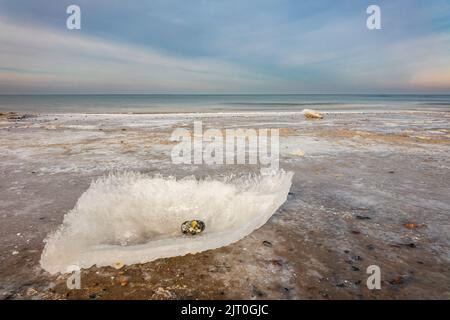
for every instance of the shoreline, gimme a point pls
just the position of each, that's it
(359, 180)
(224, 114)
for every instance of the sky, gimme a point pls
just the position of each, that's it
(224, 46)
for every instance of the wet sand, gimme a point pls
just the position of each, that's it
(359, 179)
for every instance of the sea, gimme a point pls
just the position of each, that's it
(181, 103)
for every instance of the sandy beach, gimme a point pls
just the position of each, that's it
(368, 188)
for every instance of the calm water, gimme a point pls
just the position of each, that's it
(125, 103)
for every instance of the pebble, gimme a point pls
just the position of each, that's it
(408, 245)
(192, 227)
(118, 265)
(411, 225)
(267, 243)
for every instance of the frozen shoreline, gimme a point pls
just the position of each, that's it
(390, 167)
(227, 114)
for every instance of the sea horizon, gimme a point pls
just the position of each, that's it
(180, 102)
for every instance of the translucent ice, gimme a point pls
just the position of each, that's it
(133, 218)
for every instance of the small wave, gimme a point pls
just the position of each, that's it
(133, 218)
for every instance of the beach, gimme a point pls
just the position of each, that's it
(369, 188)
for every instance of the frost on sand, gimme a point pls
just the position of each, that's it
(134, 218)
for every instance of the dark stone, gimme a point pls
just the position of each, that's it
(192, 227)
(267, 243)
(407, 245)
(277, 262)
(357, 258)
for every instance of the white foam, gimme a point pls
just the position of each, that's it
(133, 218)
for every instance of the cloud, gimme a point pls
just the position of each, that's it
(284, 46)
(37, 58)
(417, 64)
